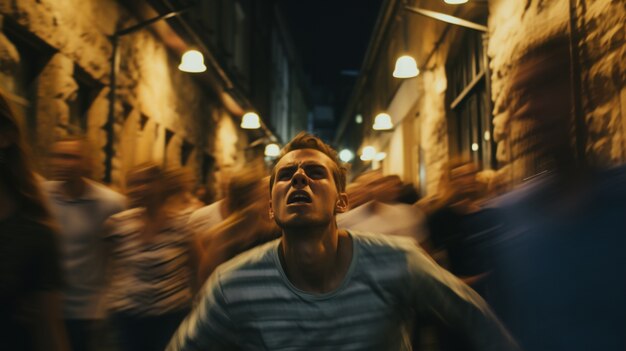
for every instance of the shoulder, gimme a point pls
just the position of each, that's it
(381, 248)
(107, 195)
(125, 216)
(250, 267)
(206, 216)
(377, 241)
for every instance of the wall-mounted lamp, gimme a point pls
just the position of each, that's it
(250, 120)
(358, 119)
(406, 67)
(346, 155)
(272, 150)
(368, 153)
(192, 62)
(382, 122)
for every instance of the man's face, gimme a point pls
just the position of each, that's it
(67, 160)
(304, 191)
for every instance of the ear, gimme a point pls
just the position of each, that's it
(342, 203)
(271, 211)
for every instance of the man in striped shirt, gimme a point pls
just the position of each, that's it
(321, 288)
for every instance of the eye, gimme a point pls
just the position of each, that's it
(316, 172)
(284, 174)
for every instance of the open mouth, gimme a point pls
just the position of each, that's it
(299, 197)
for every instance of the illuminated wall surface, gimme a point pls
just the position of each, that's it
(55, 64)
(424, 118)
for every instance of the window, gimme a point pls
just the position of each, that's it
(88, 90)
(469, 122)
(19, 79)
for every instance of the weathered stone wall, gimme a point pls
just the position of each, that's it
(603, 53)
(159, 109)
(516, 27)
(434, 129)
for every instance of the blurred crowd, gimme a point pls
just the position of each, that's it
(83, 267)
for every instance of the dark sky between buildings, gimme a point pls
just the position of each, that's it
(330, 35)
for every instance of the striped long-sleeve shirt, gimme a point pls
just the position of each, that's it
(249, 304)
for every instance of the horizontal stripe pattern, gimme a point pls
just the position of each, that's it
(249, 304)
(149, 278)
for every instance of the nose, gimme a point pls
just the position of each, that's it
(299, 179)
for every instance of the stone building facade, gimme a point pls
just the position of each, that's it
(55, 63)
(462, 104)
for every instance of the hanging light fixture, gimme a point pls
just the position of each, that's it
(406, 67)
(382, 122)
(455, 2)
(272, 150)
(192, 62)
(346, 155)
(250, 120)
(368, 153)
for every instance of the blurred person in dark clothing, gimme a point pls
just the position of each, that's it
(560, 263)
(461, 236)
(80, 206)
(319, 287)
(30, 277)
(463, 229)
(153, 261)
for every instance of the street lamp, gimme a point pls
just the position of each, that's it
(250, 120)
(192, 62)
(382, 122)
(406, 67)
(346, 155)
(272, 150)
(368, 153)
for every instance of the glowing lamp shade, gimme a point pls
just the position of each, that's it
(455, 2)
(346, 155)
(382, 122)
(192, 62)
(272, 150)
(368, 153)
(380, 156)
(406, 67)
(250, 121)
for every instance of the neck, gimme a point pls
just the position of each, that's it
(316, 259)
(155, 210)
(7, 203)
(74, 188)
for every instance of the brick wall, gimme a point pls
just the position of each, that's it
(159, 109)
(516, 27)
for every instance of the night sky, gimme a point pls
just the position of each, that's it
(330, 36)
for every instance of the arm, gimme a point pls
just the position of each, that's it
(209, 326)
(437, 291)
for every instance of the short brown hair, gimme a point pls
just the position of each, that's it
(305, 140)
